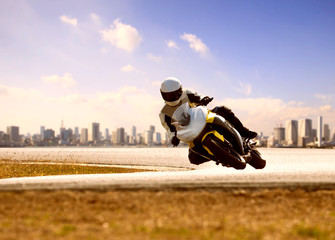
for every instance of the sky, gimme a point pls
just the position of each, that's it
(84, 61)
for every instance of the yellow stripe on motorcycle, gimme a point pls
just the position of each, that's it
(216, 134)
(210, 117)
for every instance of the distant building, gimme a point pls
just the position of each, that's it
(291, 132)
(49, 134)
(120, 136)
(76, 133)
(279, 135)
(157, 138)
(133, 139)
(107, 136)
(140, 139)
(320, 131)
(148, 137)
(133, 131)
(42, 129)
(13, 132)
(67, 135)
(326, 132)
(61, 130)
(304, 132)
(4, 138)
(84, 135)
(314, 134)
(152, 128)
(94, 132)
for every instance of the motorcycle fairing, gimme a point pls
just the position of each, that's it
(197, 121)
(216, 134)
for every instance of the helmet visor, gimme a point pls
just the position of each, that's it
(172, 96)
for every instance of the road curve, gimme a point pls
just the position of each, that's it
(310, 169)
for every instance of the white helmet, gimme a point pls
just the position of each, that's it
(171, 91)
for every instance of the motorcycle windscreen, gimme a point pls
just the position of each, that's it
(196, 123)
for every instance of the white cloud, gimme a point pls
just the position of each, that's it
(95, 18)
(69, 20)
(154, 58)
(65, 81)
(127, 68)
(156, 83)
(326, 108)
(323, 97)
(244, 88)
(142, 108)
(172, 44)
(73, 98)
(195, 43)
(122, 36)
(3, 91)
(18, 93)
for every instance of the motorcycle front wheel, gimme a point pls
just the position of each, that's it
(256, 160)
(227, 156)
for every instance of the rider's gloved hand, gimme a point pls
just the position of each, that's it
(205, 101)
(175, 141)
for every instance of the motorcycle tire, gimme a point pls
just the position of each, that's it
(256, 160)
(229, 157)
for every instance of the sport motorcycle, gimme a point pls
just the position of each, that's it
(211, 137)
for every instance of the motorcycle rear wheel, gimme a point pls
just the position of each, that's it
(228, 157)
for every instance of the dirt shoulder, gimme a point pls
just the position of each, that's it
(266, 214)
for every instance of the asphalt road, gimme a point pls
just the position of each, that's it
(308, 169)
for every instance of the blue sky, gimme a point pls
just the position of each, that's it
(103, 61)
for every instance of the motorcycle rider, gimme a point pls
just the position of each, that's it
(174, 96)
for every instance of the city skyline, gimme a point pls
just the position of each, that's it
(91, 135)
(301, 127)
(307, 121)
(103, 61)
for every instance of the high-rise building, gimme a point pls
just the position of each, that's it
(148, 137)
(279, 135)
(61, 130)
(13, 133)
(66, 135)
(291, 132)
(84, 135)
(120, 136)
(314, 134)
(304, 132)
(76, 133)
(320, 131)
(49, 134)
(133, 139)
(326, 132)
(114, 137)
(152, 128)
(107, 137)
(94, 132)
(157, 138)
(134, 131)
(42, 129)
(305, 128)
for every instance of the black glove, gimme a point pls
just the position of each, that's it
(175, 141)
(205, 101)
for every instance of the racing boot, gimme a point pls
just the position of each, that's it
(248, 133)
